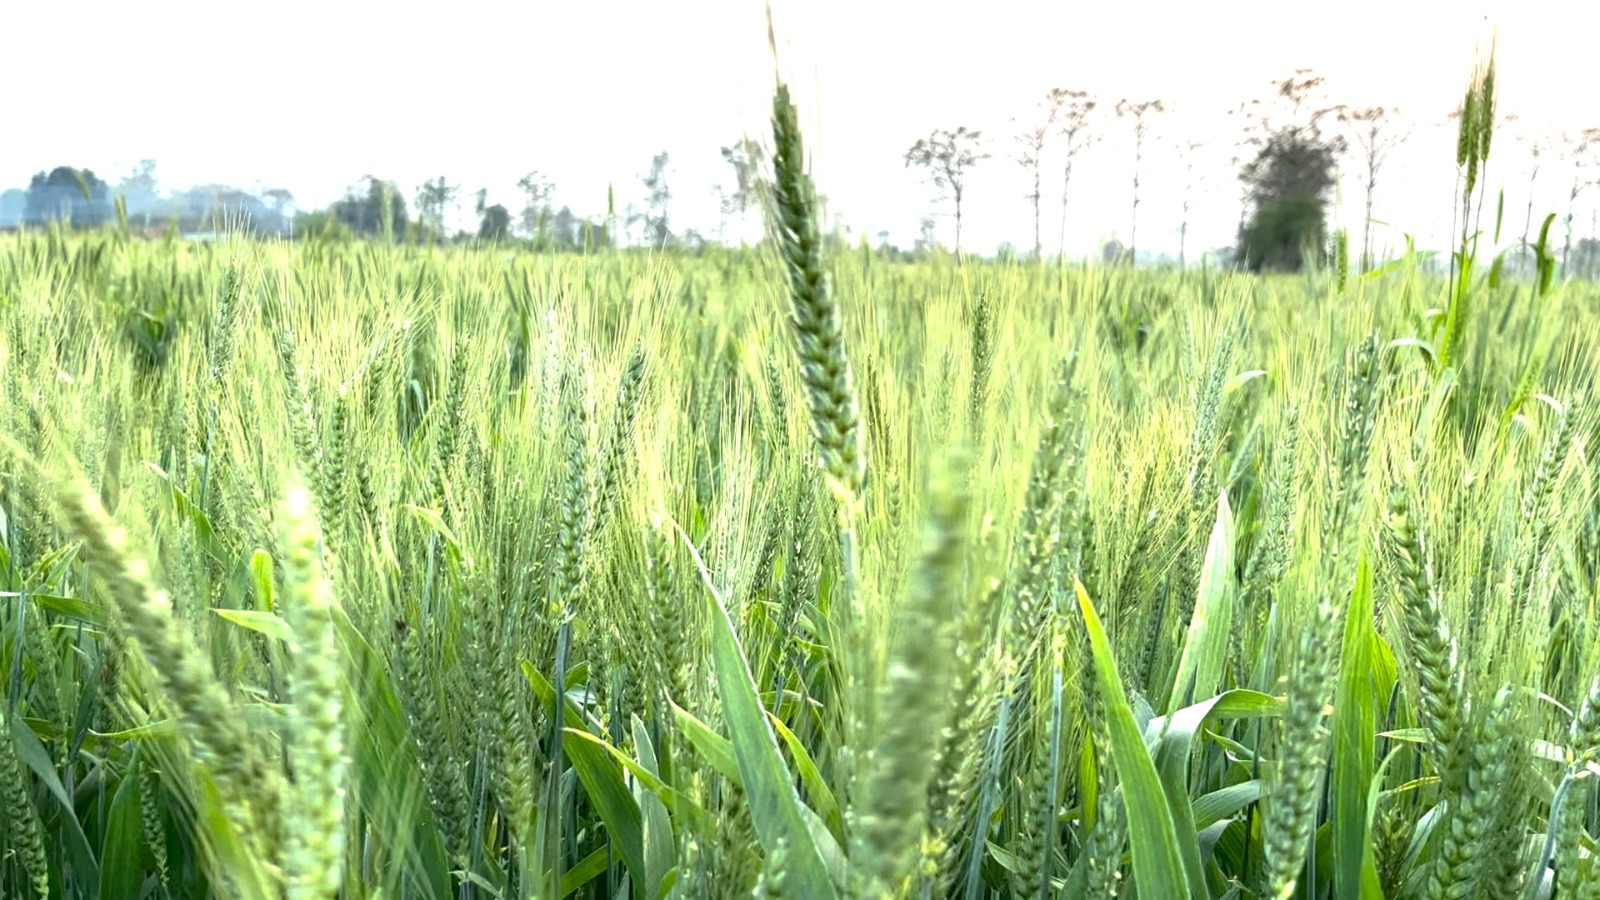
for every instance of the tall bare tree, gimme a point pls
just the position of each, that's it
(1141, 112)
(1030, 157)
(1582, 152)
(1375, 131)
(1189, 151)
(1539, 147)
(1073, 113)
(947, 155)
(1033, 139)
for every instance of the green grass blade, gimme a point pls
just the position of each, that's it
(1157, 865)
(816, 787)
(1224, 802)
(1354, 733)
(259, 621)
(35, 757)
(774, 804)
(680, 804)
(593, 866)
(1205, 651)
(602, 781)
(660, 851)
(717, 750)
(1174, 738)
(121, 854)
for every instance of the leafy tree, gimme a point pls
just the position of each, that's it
(1287, 181)
(947, 155)
(563, 229)
(13, 203)
(372, 208)
(1141, 112)
(495, 223)
(631, 217)
(280, 200)
(320, 225)
(139, 192)
(141, 182)
(747, 158)
(433, 198)
(658, 195)
(536, 209)
(1376, 131)
(927, 241)
(1073, 112)
(67, 193)
(221, 207)
(1586, 258)
(1251, 137)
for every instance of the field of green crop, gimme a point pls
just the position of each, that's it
(369, 571)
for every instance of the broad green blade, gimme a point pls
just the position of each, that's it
(660, 851)
(774, 803)
(571, 717)
(121, 856)
(35, 757)
(88, 612)
(717, 749)
(1224, 802)
(262, 581)
(701, 821)
(1354, 732)
(593, 866)
(1205, 650)
(1174, 739)
(602, 781)
(1157, 864)
(204, 536)
(816, 787)
(259, 621)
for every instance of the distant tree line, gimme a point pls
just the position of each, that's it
(1290, 149)
(81, 199)
(376, 208)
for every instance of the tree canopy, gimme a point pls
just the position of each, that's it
(362, 211)
(67, 193)
(1287, 181)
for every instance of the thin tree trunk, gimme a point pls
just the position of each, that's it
(1066, 181)
(958, 227)
(1527, 223)
(1038, 246)
(1566, 245)
(1366, 233)
(1133, 228)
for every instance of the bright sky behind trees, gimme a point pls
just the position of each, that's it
(313, 95)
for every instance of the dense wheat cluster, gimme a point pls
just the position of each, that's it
(370, 571)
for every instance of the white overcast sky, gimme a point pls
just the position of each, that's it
(313, 94)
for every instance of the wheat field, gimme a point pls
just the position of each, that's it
(363, 570)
